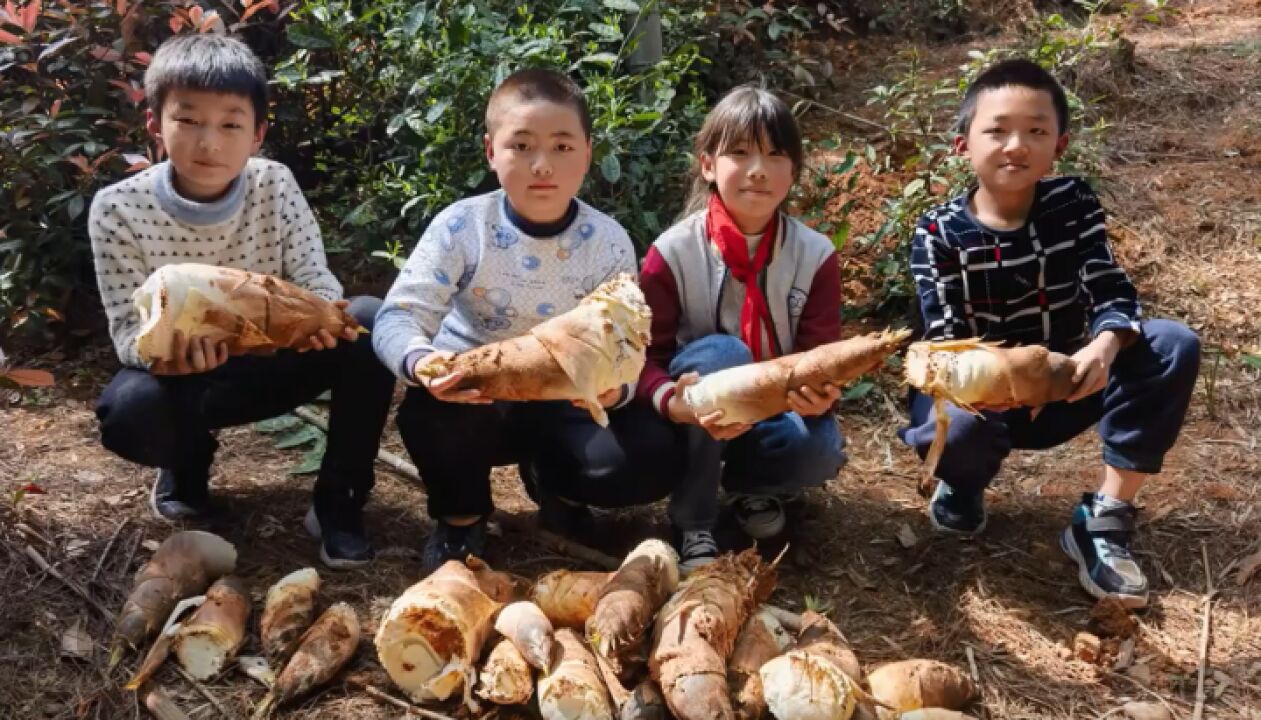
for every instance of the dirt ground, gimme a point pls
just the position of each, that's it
(1183, 192)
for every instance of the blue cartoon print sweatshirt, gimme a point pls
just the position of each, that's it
(481, 274)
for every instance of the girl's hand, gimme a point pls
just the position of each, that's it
(325, 340)
(1093, 364)
(444, 388)
(191, 355)
(808, 403)
(683, 414)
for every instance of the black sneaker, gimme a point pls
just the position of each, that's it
(1098, 540)
(452, 542)
(181, 496)
(951, 511)
(697, 548)
(759, 516)
(343, 544)
(565, 518)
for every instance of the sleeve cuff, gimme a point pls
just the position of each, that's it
(407, 373)
(1115, 321)
(661, 398)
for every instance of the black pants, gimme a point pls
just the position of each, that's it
(166, 421)
(455, 445)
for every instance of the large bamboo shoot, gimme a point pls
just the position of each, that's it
(631, 598)
(208, 640)
(696, 632)
(433, 634)
(596, 347)
(251, 313)
(751, 393)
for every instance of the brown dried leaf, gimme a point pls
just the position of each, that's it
(1248, 568)
(75, 642)
(906, 536)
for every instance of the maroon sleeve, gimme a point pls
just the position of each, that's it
(662, 294)
(820, 321)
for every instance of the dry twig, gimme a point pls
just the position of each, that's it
(1205, 633)
(378, 694)
(43, 564)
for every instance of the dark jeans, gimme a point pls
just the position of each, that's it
(166, 421)
(455, 445)
(779, 455)
(1139, 412)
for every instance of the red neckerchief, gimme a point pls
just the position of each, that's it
(734, 247)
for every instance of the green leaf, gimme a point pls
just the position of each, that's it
(307, 37)
(278, 423)
(913, 187)
(600, 58)
(841, 235)
(437, 110)
(607, 32)
(75, 207)
(311, 459)
(858, 390)
(1252, 360)
(301, 436)
(627, 6)
(611, 168)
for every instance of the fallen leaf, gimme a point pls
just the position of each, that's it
(76, 642)
(151, 545)
(859, 580)
(906, 536)
(1086, 647)
(1125, 655)
(33, 489)
(1146, 711)
(1248, 568)
(1109, 618)
(1140, 673)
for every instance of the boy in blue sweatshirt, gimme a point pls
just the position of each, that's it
(487, 269)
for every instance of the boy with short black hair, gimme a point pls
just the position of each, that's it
(489, 268)
(213, 203)
(1023, 258)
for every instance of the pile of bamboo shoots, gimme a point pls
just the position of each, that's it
(639, 643)
(306, 651)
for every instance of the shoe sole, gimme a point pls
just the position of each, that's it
(1133, 602)
(153, 507)
(947, 530)
(340, 563)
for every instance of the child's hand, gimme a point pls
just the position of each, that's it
(326, 340)
(443, 388)
(808, 403)
(607, 399)
(680, 412)
(1093, 364)
(191, 355)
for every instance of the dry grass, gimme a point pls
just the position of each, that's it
(1186, 213)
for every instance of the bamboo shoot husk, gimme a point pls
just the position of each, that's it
(209, 639)
(751, 393)
(596, 347)
(250, 313)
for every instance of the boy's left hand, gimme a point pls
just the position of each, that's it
(807, 402)
(1093, 364)
(326, 340)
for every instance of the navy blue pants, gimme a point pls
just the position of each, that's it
(1139, 412)
(166, 421)
(781, 454)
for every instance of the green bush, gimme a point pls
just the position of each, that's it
(398, 90)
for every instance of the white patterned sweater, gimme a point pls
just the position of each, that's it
(475, 277)
(263, 224)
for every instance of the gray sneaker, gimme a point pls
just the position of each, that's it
(697, 548)
(759, 516)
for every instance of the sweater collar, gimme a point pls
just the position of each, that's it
(540, 230)
(192, 212)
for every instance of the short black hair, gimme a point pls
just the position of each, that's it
(214, 63)
(1017, 72)
(534, 84)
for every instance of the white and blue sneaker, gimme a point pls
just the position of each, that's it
(1098, 540)
(955, 512)
(759, 516)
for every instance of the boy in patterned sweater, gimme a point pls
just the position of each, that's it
(489, 268)
(213, 203)
(1024, 259)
